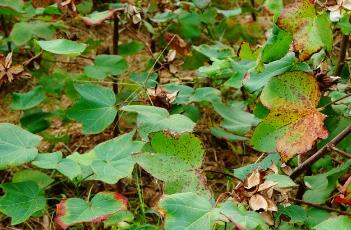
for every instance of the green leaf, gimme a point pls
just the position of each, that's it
(221, 133)
(118, 218)
(321, 186)
(230, 13)
(294, 212)
(310, 32)
(63, 46)
(201, 3)
(22, 32)
(54, 160)
(113, 159)
(239, 124)
(189, 25)
(28, 100)
(11, 7)
(97, 18)
(76, 210)
(276, 46)
(282, 180)
(40, 178)
(315, 216)
(153, 119)
(164, 17)
(106, 65)
(274, 6)
(216, 51)
(344, 24)
(174, 161)
(17, 146)
(244, 219)
(130, 48)
(340, 223)
(21, 200)
(95, 109)
(188, 211)
(264, 164)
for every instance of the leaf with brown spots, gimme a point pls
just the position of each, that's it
(311, 32)
(177, 43)
(294, 124)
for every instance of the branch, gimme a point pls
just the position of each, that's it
(341, 61)
(115, 40)
(320, 153)
(320, 206)
(346, 154)
(335, 101)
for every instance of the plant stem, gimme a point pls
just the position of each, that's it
(115, 40)
(342, 55)
(253, 14)
(335, 101)
(341, 152)
(140, 195)
(320, 153)
(320, 206)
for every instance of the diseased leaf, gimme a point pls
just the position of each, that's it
(293, 124)
(310, 32)
(100, 208)
(188, 211)
(17, 146)
(95, 109)
(175, 161)
(21, 200)
(63, 46)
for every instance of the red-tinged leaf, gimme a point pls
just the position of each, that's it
(177, 43)
(42, 3)
(96, 18)
(301, 136)
(100, 208)
(308, 30)
(341, 200)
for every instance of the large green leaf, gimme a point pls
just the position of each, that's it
(175, 161)
(113, 159)
(21, 200)
(188, 211)
(63, 46)
(322, 185)
(310, 31)
(77, 210)
(11, 7)
(95, 109)
(22, 32)
(66, 166)
(106, 65)
(339, 223)
(17, 146)
(242, 218)
(293, 124)
(153, 119)
(28, 100)
(216, 51)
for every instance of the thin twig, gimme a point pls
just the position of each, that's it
(335, 101)
(342, 55)
(220, 172)
(320, 153)
(320, 206)
(346, 154)
(115, 51)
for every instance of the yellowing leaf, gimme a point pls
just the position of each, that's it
(300, 136)
(293, 124)
(310, 32)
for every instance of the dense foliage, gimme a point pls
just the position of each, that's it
(176, 115)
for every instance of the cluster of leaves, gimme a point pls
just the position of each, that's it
(265, 97)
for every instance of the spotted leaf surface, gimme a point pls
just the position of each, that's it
(100, 208)
(175, 161)
(311, 32)
(293, 124)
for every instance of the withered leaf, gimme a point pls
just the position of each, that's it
(253, 179)
(177, 43)
(258, 202)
